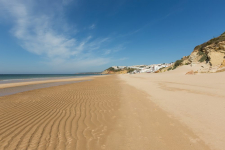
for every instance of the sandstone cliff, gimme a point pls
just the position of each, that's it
(209, 56)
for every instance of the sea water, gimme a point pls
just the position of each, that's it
(12, 78)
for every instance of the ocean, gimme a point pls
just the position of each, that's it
(9, 78)
(16, 78)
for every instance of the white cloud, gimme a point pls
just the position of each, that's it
(38, 34)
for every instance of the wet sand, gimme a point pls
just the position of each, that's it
(104, 113)
(43, 81)
(19, 89)
(40, 79)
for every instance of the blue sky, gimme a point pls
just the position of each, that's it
(69, 36)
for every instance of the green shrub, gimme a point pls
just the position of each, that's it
(200, 53)
(129, 70)
(161, 68)
(111, 69)
(203, 58)
(177, 63)
(197, 47)
(169, 69)
(114, 70)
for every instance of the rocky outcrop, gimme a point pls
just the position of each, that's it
(194, 58)
(216, 53)
(207, 57)
(211, 54)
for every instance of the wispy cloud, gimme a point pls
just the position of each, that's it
(124, 58)
(113, 50)
(92, 26)
(107, 52)
(130, 33)
(38, 32)
(153, 22)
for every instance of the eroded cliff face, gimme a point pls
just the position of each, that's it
(210, 54)
(207, 57)
(216, 53)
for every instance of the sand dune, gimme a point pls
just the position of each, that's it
(104, 113)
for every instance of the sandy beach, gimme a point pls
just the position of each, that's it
(168, 111)
(112, 75)
(197, 101)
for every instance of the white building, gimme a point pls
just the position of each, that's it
(121, 67)
(144, 68)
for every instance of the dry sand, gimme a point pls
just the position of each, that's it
(104, 113)
(197, 101)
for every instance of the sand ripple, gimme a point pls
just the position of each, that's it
(74, 116)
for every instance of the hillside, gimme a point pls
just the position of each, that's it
(111, 70)
(209, 56)
(211, 53)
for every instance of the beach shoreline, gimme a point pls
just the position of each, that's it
(32, 79)
(41, 81)
(30, 87)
